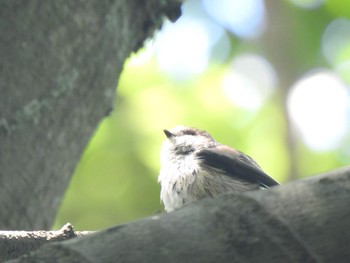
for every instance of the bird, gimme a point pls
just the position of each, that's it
(193, 166)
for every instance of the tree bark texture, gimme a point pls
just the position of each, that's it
(304, 221)
(60, 62)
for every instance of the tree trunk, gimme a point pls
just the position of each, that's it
(60, 62)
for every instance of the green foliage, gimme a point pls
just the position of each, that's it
(116, 179)
(338, 8)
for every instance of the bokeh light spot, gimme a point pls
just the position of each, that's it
(318, 105)
(183, 48)
(335, 40)
(250, 81)
(246, 18)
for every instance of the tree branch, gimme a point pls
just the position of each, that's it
(16, 243)
(302, 221)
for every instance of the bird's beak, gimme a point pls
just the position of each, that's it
(168, 134)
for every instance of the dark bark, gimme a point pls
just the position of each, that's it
(60, 62)
(303, 221)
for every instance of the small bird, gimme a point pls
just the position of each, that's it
(194, 166)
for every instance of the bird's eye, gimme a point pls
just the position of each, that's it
(184, 150)
(187, 151)
(190, 132)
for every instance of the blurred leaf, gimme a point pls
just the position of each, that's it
(338, 8)
(116, 179)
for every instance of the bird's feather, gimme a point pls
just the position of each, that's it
(235, 164)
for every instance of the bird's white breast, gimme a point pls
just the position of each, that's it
(177, 176)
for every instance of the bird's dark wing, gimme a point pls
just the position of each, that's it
(235, 164)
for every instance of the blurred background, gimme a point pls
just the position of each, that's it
(270, 78)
